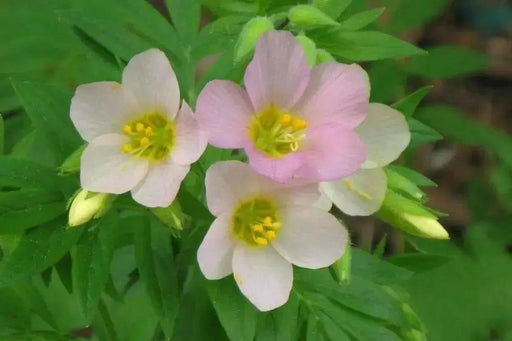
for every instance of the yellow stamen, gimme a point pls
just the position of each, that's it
(285, 120)
(298, 123)
(144, 141)
(127, 129)
(140, 127)
(257, 228)
(127, 148)
(267, 221)
(261, 241)
(149, 131)
(271, 235)
(348, 184)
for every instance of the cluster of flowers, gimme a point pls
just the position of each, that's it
(311, 137)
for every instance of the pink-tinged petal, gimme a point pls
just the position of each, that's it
(190, 140)
(279, 71)
(161, 184)
(385, 133)
(360, 194)
(263, 276)
(225, 111)
(331, 152)
(336, 93)
(229, 182)
(101, 108)
(294, 192)
(310, 237)
(215, 253)
(105, 168)
(323, 203)
(151, 79)
(279, 169)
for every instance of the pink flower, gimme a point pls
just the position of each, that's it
(263, 227)
(140, 140)
(291, 121)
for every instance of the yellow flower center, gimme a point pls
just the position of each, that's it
(255, 221)
(151, 137)
(276, 132)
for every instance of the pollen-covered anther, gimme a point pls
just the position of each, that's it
(299, 124)
(145, 141)
(127, 129)
(127, 148)
(285, 120)
(140, 127)
(261, 240)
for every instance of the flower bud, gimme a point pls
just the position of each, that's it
(411, 217)
(403, 185)
(306, 16)
(323, 56)
(309, 49)
(249, 35)
(86, 206)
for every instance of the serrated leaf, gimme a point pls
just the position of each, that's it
(236, 314)
(361, 20)
(408, 104)
(364, 45)
(154, 256)
(38, 249)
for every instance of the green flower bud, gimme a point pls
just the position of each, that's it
(306, 16)
(86, 206)
(171, 216)
(323, 56)
(72, 162)
(249, 35)
(309, 49)
(411, 217)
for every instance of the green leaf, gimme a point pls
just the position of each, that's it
(446, 62)
(364, 45)
(72, 163)
(371, 268)
(48, 109)
(185, 15)
(27, 208)
(280, 324)
(218, 36)
(333, 8)
(403, 185)
(332, 330)
(2, 135)
(421, 133)
(236, 314)
(91, 264)
(408, 105)
(38, 249)
(412, 175)
(419, 262)
(14, 311)
(154, 256)
(361, 20)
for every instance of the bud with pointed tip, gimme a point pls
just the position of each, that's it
(249, 35)
(308, 17)
(86, 206)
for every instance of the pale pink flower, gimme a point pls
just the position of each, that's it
(263, 227)
(139, 138)
(292, 121)
(386, 134)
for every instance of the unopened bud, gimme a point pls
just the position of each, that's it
(323, 56)
(86, 206)
(249, 35)
(306, 16)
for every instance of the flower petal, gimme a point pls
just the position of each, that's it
(323, 203)
(278, 73)
(101, 108)
(215, 254)
(105, 168)
(385, 133)
(151, 79)
(337, 93)
(263, 276)
(294, 192)
(279, 169)
(190, 141)
(161, 184)
(331, 152)
(224, 111)
(360, 194)
(229, 182)
(310, 237)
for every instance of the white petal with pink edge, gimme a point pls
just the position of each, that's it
(278, 73)
(150, 77)
(310, 237)
(225, 111)
(263, 276)
(215, 254)
(105, 168)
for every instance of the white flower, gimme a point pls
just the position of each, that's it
(263, 227)
(386, 134)
(139, 138)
